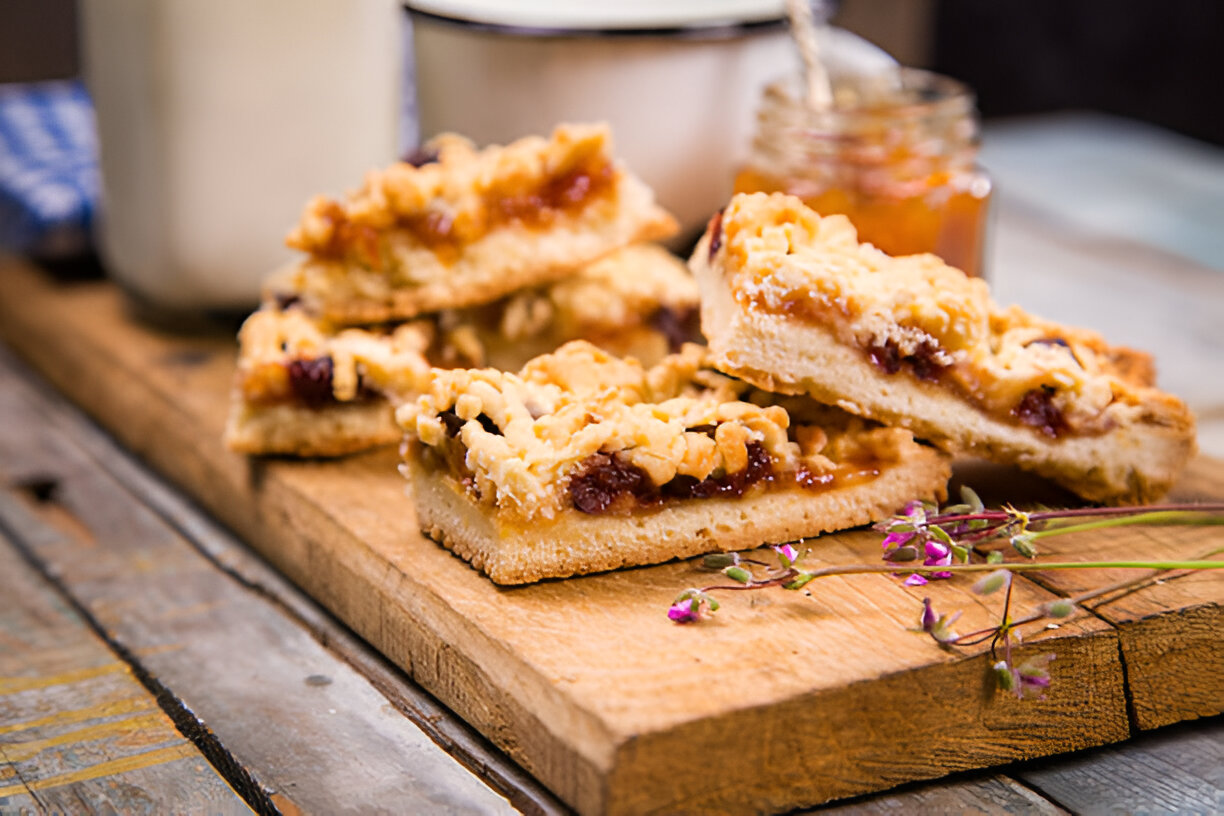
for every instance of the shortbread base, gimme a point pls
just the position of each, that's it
(1136, 461)
(576, 543)
(295, 430)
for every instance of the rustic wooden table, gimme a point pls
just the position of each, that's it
(174, 670)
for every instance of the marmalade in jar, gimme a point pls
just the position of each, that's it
(897, 154)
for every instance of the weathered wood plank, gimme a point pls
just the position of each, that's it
(1177, 770)
(79, 733)
(967, 797)
(311, 730)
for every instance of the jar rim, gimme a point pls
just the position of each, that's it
(905, 92)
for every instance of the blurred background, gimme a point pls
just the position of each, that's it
(1159, 62)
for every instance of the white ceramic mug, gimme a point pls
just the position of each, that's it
(218, 119)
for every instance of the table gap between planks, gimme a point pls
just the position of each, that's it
(789, 699)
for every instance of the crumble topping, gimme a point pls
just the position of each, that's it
(621, 289)
(918, 315)
(524, 438)
(288, 356)
(460, 195)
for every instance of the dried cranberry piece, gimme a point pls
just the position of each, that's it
(886, 357)
(1037, 409)
(452, 422)
(923, 361)
(760, 465)
(286, 299)
(604, 478)
(311, 381)
(679, 326)
(689, 488)
(421, 156)
(758, 469)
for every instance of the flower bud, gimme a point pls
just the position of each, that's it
(738, 574)
(1061, 608)
(936, 549)
(800, 582)
(1024, 545)
(928, 616)
(970, 497)
(786, 553)
(902, 554)
(992, 582)
(896, 539)
(717, 561)
(1004, 676)
(684, 611)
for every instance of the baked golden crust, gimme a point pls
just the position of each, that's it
(631, 301)
(791, 301)
(469, 227)
(576, 543)
(527, 443)
(295, 430)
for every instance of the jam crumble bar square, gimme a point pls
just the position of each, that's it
(584, 462)
(467, 226)
(793, 302)
(307, 388)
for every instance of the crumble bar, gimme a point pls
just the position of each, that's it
(463, 226)
(307, 388)
(584, 462)
(793, 302)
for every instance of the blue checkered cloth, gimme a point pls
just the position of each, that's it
(48, 169)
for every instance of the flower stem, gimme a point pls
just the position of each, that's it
(1050, 515)
(859, 569)
(1156, 517)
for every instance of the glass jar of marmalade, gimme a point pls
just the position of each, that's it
(896, 154)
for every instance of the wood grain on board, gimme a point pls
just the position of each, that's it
(782, 700)
(78, 732)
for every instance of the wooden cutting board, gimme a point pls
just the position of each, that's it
(783, 699)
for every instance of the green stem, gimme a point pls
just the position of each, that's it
(1050, 515)
(1024, 566)
(1159, 517)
